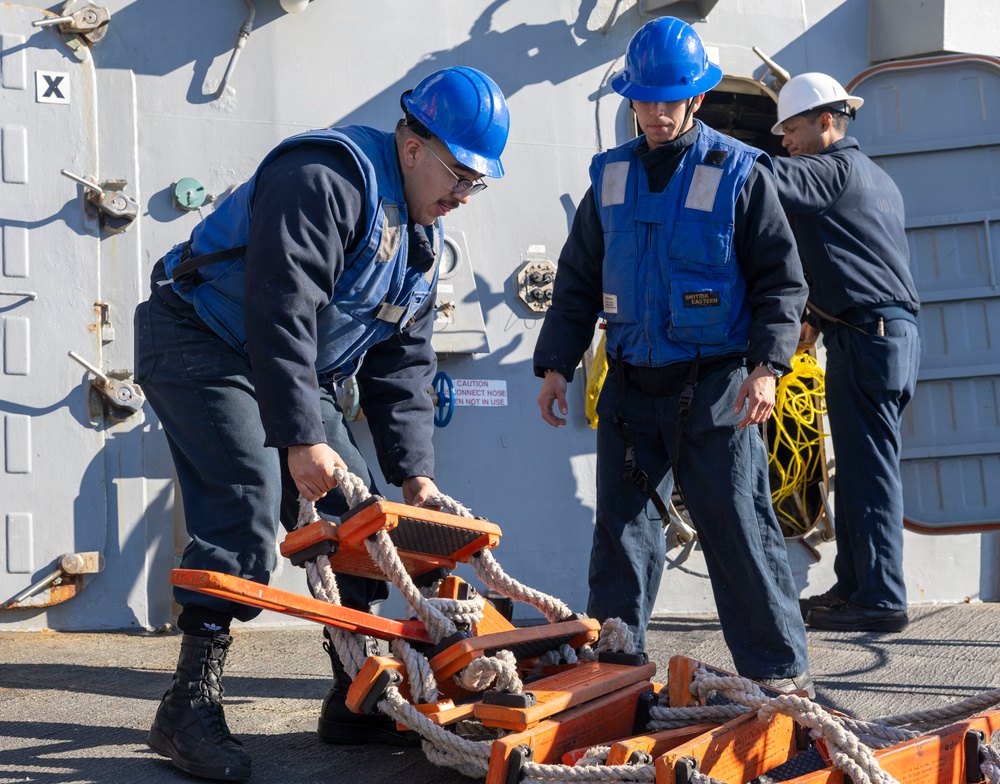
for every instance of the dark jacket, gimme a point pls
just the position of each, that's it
(307, 218)
(847, 216)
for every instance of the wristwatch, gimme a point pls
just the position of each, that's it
(776, 372)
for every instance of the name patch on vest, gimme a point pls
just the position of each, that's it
(704, 185)
(610, 303)
(613, 183)
(701, 299)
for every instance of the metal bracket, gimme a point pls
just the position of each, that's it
(87, 26)
(117, 210)
(515, 763)
(685, 770)
(125, 398)
(534, 284)
(974, 740)
(69, 565)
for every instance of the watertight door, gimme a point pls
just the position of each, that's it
(934, 125)
(52, 487)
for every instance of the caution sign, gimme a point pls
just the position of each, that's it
(480, 392)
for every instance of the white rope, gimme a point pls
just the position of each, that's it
(448, 504)
(697, 777)
(595, 755)
(419, 674)
(875, 734)
(484, 671)
(676, 718)
(846, 752)
(564, 654)
(472, 758)
(616, 636)
(533, 771)
(991, 764)
(493, 576)
(383, 553)
(938, 717)
(323, 583)
(463, 612)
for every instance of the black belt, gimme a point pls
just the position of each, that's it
(671, 379)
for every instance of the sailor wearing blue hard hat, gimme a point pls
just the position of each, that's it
(323, 265)
(681, 249)
(458, 116)
(666, 63)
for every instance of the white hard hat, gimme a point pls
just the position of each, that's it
(807, 91)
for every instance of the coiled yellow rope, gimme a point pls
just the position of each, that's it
(796, 450)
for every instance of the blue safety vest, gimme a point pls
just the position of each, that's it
(376, 294)
(672, 287)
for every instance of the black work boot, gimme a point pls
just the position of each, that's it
(339, 724)
(190, 727)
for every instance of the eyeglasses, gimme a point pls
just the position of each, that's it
(463, 185)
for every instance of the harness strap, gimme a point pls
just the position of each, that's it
(188, 263)
(634, 472)
(683, 412)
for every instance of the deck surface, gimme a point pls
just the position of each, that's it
(76, 708)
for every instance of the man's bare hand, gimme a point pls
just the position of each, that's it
(756, 395)
(553, 391)
(808, 335)
(417, 489)
(311, 466)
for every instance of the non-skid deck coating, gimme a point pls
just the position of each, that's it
(76, 707)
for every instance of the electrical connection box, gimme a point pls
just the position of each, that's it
(535, 281)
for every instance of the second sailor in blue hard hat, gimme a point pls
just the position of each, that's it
(321, 266)
(681, 248)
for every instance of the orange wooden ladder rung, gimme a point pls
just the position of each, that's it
(526, 643)
(615, 715)
(656, 744)
(380, 672)
(546, 697)
(949, 755)
(425, 540)
(735, 752)
(237, 589)
(420, 530)
(322, 538)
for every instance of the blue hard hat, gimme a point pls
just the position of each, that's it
(666, 61)
(465, 109)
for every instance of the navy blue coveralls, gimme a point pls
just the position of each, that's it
(847, 217)
(723, 468)
(230, 415)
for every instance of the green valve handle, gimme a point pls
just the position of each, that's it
(189, 193)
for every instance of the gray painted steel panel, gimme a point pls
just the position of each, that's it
(160, 120)
(53, 486)
(947, 164)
